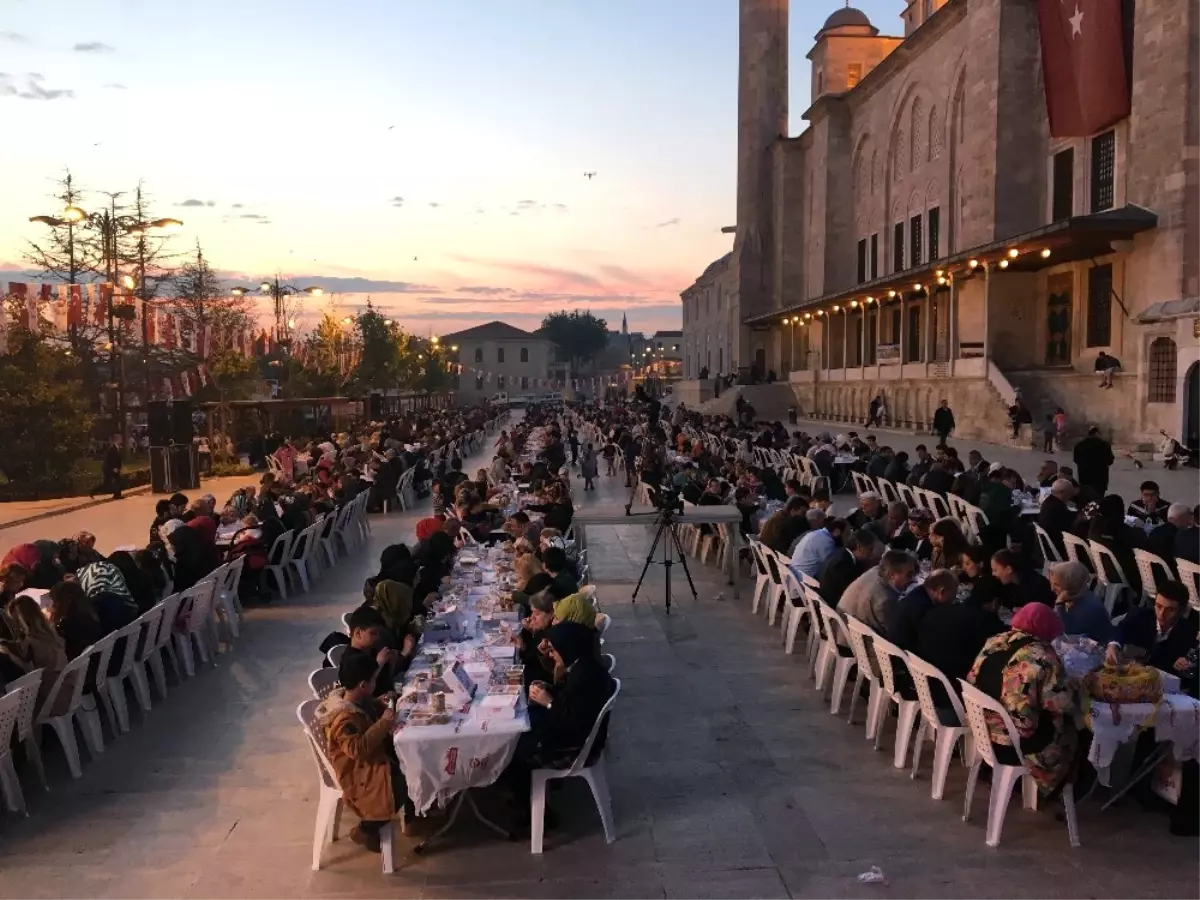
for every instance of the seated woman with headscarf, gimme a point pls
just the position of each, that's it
(394, 600)
(562, 715)
(393, 561)
(139, 583)
(1021, 669)
(39, 572)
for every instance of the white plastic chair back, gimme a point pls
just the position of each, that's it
(1189, 574)
(1077, 550)
(103, 649)
(581, 760)
(170, 611)
(306, 712)
(1108, 570)
(908, 495)
(322, 681)
(609, 661)
(922, 672)
(1049, 549)
(976, 704)
(861, 484)
(71, 679)
(857, 633)
(25, 719)
(888, 490)
(1153, 569)
(937, 503)
(346, 622)
(335, 654)
(603, 621)
(885, 653)
(976, 520)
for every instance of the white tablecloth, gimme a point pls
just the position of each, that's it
(1176, 718)
(440, 761)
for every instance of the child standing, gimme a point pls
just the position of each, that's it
(610, 457)
(589, 468)
(1060, 428)
(1048, 434)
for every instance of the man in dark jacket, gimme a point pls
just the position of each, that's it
(1159, 636)
(1055, 516)
(904, 620)
(110, 469)
(1093, 456)
(938, 479)
(950, 636)
(845, 565)
(943, 421)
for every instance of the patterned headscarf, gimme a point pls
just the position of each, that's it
(102, 578)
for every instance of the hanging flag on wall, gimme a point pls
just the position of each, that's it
(1083, 65)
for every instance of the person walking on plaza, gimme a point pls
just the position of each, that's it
(110, 470)
(590, 468)
(1093, 456)
(943, 421)
(1107, 365)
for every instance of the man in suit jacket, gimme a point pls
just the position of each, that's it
(1160, 636)
(845, 565)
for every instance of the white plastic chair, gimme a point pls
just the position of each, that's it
(1154, 571)
(113, 694)
(26, 733)
(1109, 574)
(335, 654)
(97, 687)
(603, 623)
(934, 723)
(937, 503)
(322, 681)
(71, 679)
(299, 555)
(196, 611)
(329, 805)
(798, 591)
(762, 575)
(10, 710)
(277, 564)
(831, 658)
(888, 490)
(1050, 552)
(164, 646)
(595, 774)
(227, 604)
(609, 661)
(1189, 574)
(907, 711)
(151, 622)
(858, 633)
(1004, 777)
(1077, 550)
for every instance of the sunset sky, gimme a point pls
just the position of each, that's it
(429, 154)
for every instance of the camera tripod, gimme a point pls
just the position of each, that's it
(668, 527)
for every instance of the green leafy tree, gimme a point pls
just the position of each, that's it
(45, 414)
(383, 344)
(579, 336)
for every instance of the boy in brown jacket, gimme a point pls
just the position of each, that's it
(358, 735)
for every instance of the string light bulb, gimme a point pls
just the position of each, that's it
(869, 300)
(1004, 263)
(854, 304)
(941, 279)
(918, 287)
(808, 315)
(892, 294)
(820, 312)
(972, 263)
(1014, 253)
(836, 308)
(940, 272)
(1046, 253)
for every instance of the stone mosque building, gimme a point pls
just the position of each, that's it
(926, 237)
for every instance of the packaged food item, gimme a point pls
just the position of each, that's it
(1130, 683)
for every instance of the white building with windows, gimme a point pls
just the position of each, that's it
(927, 237)
(500, 357)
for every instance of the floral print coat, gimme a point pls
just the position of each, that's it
(1034, 684)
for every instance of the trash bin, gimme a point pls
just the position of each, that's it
(792, 415)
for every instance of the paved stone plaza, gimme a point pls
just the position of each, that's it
(729, 779)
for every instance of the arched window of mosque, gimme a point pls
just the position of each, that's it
(478, 354)
(1163, 356)
(899, 166)
(874, 171)
(918, 131)
(935, 134)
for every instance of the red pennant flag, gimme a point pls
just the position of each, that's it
(18, 288)
(100, 310)
(75, 306)
(203, 340)
(1083, 65)
(168, 332)
(151, 317)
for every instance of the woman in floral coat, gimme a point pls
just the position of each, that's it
(1021, 669)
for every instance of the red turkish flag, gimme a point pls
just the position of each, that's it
(75, 306)
(1083, 65)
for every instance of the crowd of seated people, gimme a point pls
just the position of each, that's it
(558, 642)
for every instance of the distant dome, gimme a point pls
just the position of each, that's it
(847, 15)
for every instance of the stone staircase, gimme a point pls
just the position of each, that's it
(1085, 402)
(771, 402)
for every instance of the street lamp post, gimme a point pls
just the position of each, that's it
(278, 292)
(109, 224)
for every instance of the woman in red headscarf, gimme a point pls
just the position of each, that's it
(1022, 670)
(428, 527)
